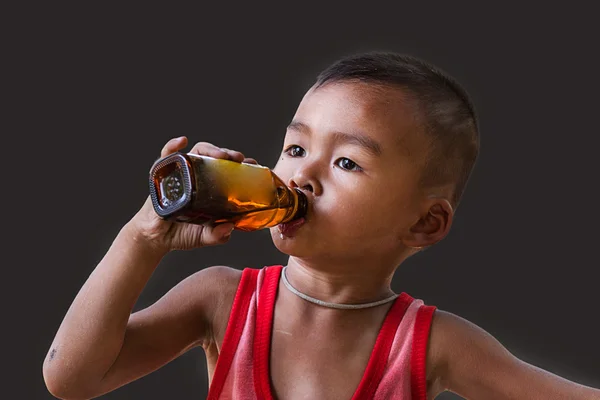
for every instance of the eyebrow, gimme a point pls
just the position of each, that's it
(357, 139)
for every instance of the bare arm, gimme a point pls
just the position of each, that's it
(472, 363)
(92, 332)
(99, 345)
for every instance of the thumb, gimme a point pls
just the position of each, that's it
(222, 232)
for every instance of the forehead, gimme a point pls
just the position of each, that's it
(384, 113)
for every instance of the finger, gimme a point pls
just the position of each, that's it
(174, 145)
(234, 155)
(209, 149)
(250, 161)
(217, 234)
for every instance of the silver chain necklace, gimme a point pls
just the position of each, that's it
(333, 305)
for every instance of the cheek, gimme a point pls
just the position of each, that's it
(282, 170)
(372, 211)
(355, 209)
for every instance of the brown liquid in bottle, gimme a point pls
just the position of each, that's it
(199, 189)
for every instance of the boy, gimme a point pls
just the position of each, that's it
(382, 145)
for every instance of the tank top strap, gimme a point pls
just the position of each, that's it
(233, 333)
(418, 358)
(379, 356)
(262, 334)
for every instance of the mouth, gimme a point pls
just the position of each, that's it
(289, 229)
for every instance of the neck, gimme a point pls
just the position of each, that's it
(342, 284)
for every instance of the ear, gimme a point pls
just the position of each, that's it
(433, 225)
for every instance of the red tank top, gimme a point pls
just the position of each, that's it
(396, 367)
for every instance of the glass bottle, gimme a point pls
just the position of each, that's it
(201, 189)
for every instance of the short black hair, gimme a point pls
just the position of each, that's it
(448, 114)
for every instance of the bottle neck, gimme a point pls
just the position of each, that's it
(301, 204)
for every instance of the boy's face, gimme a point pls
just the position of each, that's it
(353, 148)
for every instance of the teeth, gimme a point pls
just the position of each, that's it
(281, 236)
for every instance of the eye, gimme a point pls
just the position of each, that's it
(347, 164)
(295, 151)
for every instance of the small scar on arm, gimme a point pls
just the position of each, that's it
(52, 354)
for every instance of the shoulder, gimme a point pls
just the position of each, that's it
(450, 337)
(220, 284)
(224, 282)
(215, 285)
(221, 275)
(453, 337)
(463, 355)
(206, 297)
(212, 282)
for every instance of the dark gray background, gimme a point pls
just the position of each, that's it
(91, 95)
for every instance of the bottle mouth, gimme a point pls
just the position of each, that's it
(170, 184)
(302, 208)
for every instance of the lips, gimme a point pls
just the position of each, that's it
(290, 228)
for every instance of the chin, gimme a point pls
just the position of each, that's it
(296, 246)
(305, 246)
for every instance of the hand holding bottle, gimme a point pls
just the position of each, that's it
(170, 235)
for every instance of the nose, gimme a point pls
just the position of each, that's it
(305, 178)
